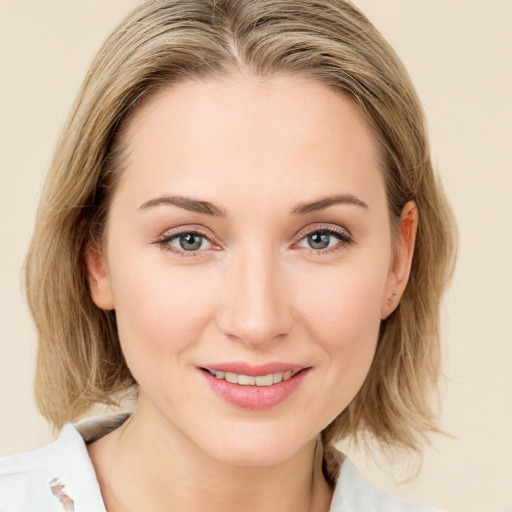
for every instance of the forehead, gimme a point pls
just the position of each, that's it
(252, 132)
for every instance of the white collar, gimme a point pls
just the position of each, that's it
(30, 480)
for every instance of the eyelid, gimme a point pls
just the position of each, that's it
(169, 234)
(342, 233)
(189, 228)
(335, 228)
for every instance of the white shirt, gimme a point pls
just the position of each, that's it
(60, 477)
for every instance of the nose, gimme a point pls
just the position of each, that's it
(256, 307)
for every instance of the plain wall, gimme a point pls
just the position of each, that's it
(459, 54)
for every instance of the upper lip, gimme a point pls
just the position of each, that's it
(243, 368)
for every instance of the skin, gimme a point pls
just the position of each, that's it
(258, 149)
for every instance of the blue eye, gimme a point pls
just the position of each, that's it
(322, 239)
(185, 242)
(189, 241)
(319, 240)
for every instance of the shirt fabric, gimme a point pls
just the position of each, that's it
(60, 477)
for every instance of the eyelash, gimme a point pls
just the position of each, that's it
(164, 241)
(343, 236)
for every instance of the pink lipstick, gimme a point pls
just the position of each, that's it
(254, 386)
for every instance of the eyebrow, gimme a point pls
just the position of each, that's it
(205, 207)
(325, 202)
(187, 203)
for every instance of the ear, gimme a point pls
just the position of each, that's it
(97, 275)
(402, 259)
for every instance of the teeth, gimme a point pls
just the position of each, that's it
(250, 380)
(231, 377)
(264, 380)
(247, 380)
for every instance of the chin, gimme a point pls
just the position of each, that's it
(253, 447)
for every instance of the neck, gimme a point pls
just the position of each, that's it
(157, 468)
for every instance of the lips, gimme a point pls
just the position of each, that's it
(252, 380)
(254, 387)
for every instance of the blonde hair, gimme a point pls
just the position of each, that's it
(162, 42)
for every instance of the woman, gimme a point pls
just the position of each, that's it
(241, 226)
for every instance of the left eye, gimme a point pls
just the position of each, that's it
(322, 239)
(191, 241)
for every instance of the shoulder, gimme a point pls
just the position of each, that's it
(50, 478)
(354, 494)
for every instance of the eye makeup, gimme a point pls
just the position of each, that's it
(193, 241)
(187, 241)
(318, 240)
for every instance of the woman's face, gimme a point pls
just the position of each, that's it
(249, 261)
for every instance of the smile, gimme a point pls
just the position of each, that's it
(252, 380)
(254, 387)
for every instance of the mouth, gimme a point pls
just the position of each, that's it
(254, 387)
(252, 380)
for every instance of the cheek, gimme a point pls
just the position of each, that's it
(344, 301)
(160, 312)
(343, 317)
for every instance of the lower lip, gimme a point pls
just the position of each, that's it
(255, 397)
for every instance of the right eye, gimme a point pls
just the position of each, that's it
(185, 242)
(192, 241)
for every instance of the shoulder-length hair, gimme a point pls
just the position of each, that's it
(163, 42)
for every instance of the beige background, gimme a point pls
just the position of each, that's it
(459, 53)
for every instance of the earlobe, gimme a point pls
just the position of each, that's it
(400, 269)
(97, 275)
